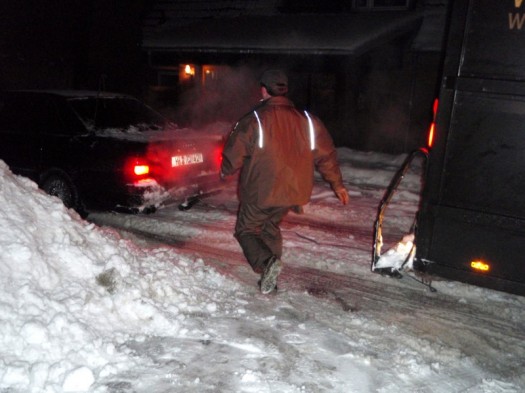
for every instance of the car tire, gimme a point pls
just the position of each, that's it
(57, 183)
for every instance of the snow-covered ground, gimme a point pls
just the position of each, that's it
(167, 303)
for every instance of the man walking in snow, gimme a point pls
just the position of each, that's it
(277, 148)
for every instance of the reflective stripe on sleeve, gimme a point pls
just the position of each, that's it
(311, 130)
(261, 132)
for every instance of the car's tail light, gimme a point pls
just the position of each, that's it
(432, 128)
(218, 156)
(141, 169)
(137, 169)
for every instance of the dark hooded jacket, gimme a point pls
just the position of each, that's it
(278, 148)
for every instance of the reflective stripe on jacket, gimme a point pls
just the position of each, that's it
(311, 130)
(277, 147)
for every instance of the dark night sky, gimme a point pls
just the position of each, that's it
(71, 43)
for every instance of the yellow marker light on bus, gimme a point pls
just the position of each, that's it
(480, 266)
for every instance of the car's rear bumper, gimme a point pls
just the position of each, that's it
(148, 195)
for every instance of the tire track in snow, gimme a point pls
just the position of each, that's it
(411, 301)
(434, 317)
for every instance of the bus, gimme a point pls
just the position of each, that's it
(470, 225)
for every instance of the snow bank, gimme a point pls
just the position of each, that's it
(71, 292)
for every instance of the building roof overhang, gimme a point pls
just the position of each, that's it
(343, 34)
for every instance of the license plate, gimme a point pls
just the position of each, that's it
(187, 159)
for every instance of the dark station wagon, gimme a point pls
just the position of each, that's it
(103, 151)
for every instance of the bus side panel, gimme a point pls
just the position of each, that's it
(477, 212)
(484, 168)
(473, 204)
(493, 45)
(461, 237)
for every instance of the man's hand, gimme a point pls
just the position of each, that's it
(342, 195)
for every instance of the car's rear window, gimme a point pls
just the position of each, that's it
(116, 113)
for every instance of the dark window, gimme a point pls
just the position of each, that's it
(45, 116)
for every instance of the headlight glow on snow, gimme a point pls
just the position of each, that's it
(480, 266)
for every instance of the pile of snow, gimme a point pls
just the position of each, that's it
(71, 293)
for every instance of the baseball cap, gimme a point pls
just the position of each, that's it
(275, 81)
